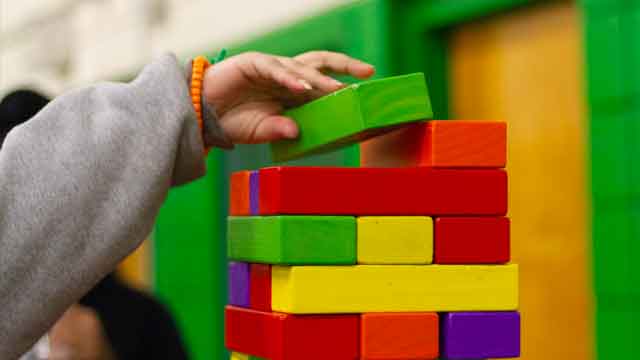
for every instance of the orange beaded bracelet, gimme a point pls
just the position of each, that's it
(199, 66)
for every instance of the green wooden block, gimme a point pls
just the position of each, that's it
(354, 114)
(292, 240)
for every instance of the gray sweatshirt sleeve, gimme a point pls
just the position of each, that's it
(80, 187)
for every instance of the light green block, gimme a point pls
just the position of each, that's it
(354, 114)
(292, 240)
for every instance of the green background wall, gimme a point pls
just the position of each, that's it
(612, 38)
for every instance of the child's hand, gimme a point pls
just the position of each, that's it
(250, 91)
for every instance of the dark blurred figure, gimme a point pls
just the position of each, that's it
(134, 325)
(18, 107)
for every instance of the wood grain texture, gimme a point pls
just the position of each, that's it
(459, 143)
(260, 287)
(277, 336)
(440, 143)
(535, 83)
(398, 288)
(395, 240)
(355, 113)
(292, 239)
(239, 193)
(472, 240)
(382, 191)
(399, 336)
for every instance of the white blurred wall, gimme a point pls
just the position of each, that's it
(53, 45)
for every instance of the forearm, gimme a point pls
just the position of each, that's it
(80, 187)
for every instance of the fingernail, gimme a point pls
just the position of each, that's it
(290, 132)
(305, 84)
(337, 83)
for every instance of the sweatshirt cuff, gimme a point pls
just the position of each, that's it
(212, 133)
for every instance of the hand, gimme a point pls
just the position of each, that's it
(251, 90)
(77, 335)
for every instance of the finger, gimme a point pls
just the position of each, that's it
(337, 62)
(313, 76)
(270, 69)
(274, 128)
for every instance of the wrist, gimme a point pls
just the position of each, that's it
(212, 94)
(207, 88)
(200, 83)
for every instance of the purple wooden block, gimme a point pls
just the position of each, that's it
(238, 284)
(254, 193)
(473, 335)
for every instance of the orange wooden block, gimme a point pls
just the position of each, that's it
(399, 148)
(440, 143)
(239, 193)
(465, 144)
(399, 336)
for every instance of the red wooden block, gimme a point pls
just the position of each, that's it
(440, 143)
(260, 287)
(399, 336)
(382, 191)
(278, 336)
(471, 240)
(239, 193)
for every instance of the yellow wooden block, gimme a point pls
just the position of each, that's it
(397, 288)
(238, 356)
(395, 240)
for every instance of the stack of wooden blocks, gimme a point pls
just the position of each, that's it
(404, 263)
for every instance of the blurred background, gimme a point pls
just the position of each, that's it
(564, 75)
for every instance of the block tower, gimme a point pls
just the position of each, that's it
(373, 263)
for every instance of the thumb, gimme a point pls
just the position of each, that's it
(274, 128)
